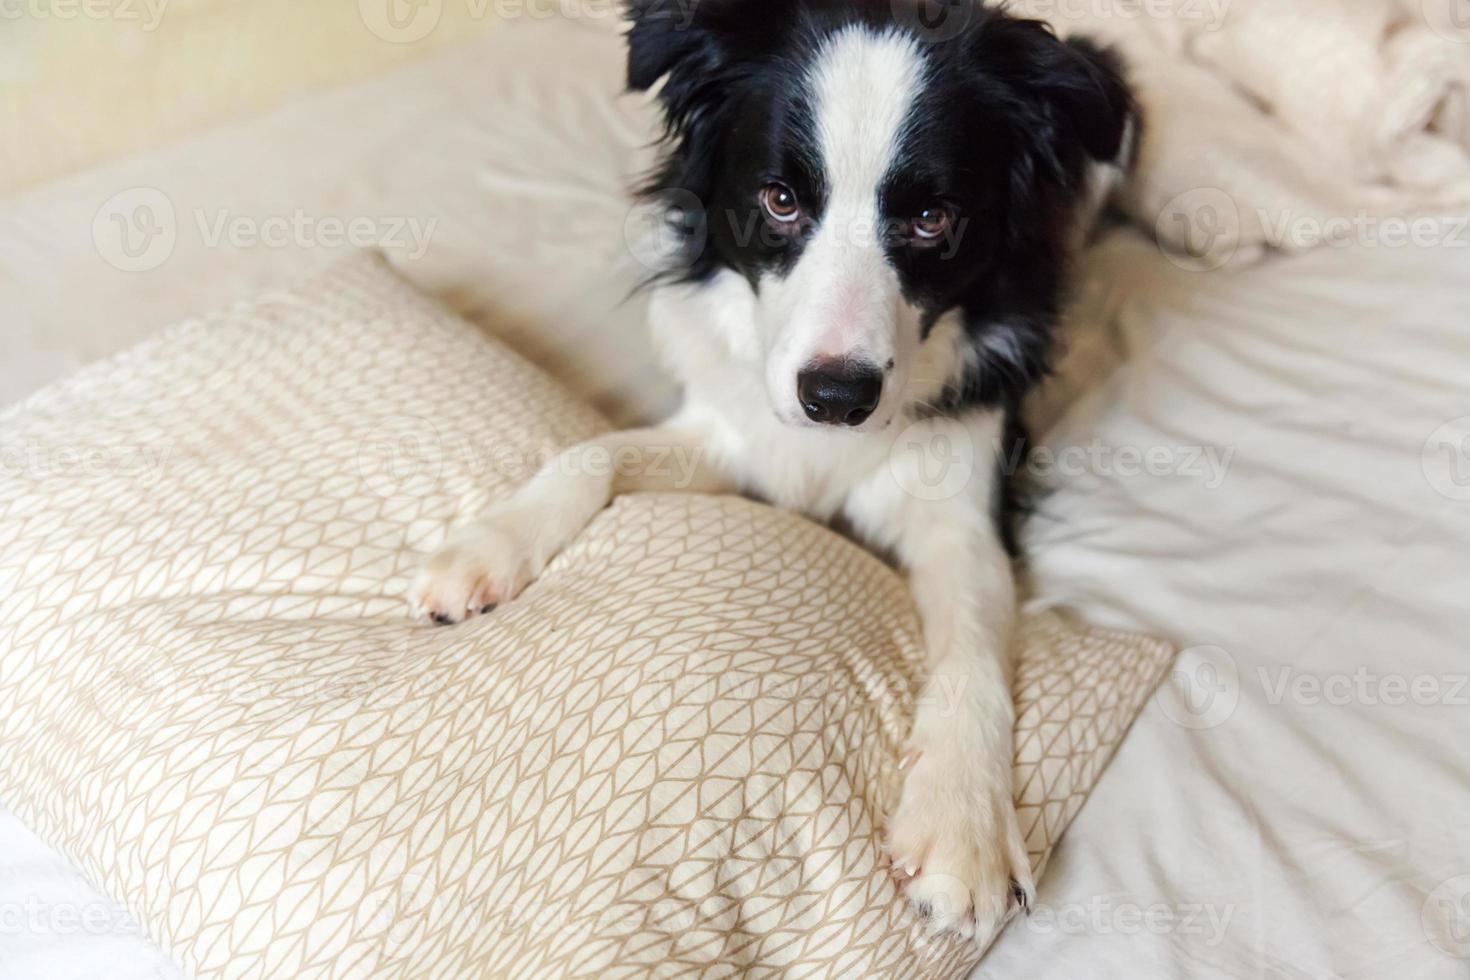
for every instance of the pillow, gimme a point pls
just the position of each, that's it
(674, 752)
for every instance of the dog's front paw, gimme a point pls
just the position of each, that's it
(955, 845)
(477, 569)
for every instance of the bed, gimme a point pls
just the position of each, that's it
(1269, 466)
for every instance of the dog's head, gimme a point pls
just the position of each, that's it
(897, 181)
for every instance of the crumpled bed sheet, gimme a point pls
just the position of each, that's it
(1283, 808)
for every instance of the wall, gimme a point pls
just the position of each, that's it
(82, 81)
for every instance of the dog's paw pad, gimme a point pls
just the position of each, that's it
(477, 571)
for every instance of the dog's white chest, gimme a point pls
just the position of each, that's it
(814, 472)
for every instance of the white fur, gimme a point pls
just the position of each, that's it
(954, 836)
(843, 299)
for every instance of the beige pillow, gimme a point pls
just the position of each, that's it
(673, 754)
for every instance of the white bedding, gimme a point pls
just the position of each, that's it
(54, 925)
(1266, 836)
(1316, 804)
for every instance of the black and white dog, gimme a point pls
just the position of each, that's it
(886, 195)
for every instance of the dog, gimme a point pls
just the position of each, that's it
(874, 205)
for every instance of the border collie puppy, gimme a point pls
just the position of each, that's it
(874, 203)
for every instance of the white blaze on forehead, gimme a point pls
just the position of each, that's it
(842, 298)
(864, 86)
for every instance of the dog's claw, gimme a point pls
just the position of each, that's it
(1021, 897)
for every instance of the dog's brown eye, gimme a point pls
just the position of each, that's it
(932, 223)
(780, 203)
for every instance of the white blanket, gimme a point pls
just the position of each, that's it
(1272, 125)
(1279, 478)
(55, 925)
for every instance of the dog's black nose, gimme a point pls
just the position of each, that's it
(840, 393)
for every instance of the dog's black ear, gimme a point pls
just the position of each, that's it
(663, 34)
(691, 44)
(1076, 88)
(1090, 89)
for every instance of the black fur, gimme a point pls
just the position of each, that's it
(1010, 120)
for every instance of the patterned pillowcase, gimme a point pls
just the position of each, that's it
(674, 751)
